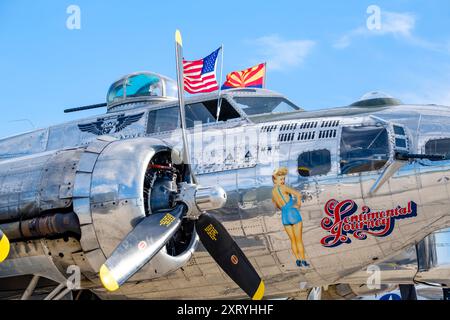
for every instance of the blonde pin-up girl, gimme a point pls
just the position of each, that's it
(283, 198)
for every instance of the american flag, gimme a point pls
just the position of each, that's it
(200, 75)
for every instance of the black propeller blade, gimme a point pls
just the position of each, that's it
(225, 251)
(140, 246)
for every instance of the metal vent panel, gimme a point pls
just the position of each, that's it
(327, 134)
(270, 128)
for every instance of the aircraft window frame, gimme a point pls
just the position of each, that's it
(191, 123)
(242, 109)
(399, 130)
(116, 93)
(401, 143)
(152, 131)
(364, 163)
(313, 171)
(400, 138)
(434, 152)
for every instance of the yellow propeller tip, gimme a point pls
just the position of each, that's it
(108, 280)
(4, 247)
(178, 37)
(260, 292)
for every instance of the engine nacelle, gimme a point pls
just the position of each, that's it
(109, 186)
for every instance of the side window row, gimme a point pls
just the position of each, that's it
(314, 163)
(362, 149)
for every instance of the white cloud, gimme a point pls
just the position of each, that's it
(439, 95)
(346, 40)
(282, 54)
(399, 25)
(426, 89)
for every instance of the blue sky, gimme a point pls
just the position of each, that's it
(319, 54)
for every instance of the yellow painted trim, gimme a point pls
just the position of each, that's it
(107, 279)
(260, 292)
(4, 247)
(178, 37)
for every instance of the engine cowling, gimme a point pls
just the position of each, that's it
(128, 176)
(110, 185)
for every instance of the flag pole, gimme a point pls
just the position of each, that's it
(219, 101)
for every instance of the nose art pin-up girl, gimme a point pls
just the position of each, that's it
(283, 197)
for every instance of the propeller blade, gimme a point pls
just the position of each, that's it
(140, 246)
(4, 246)
(180, 83)
(212, 233)
(225, 251)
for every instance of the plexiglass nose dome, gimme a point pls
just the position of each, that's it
(141, 86)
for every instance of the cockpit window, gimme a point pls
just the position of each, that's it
(163, 120)
(206, 112)
(363, 149)
(262, 105)
(202, 112)
(438, 147)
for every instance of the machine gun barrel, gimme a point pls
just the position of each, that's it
(402, 156)
(90, 107)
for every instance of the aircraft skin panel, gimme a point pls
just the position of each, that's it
(419, 190)
(403, 187)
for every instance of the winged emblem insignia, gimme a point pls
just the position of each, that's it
(110, 125)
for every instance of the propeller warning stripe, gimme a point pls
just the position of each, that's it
(4, 247)
(259, 295)
(107, 279)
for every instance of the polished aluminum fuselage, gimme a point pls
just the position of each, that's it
(241, 155)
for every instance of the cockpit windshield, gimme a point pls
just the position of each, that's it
(265, 105)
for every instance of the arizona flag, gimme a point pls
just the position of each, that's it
(250, 78)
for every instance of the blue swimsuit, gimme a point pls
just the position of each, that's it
(289, 214)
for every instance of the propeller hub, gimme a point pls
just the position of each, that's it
(201, 199)
(210, 198)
